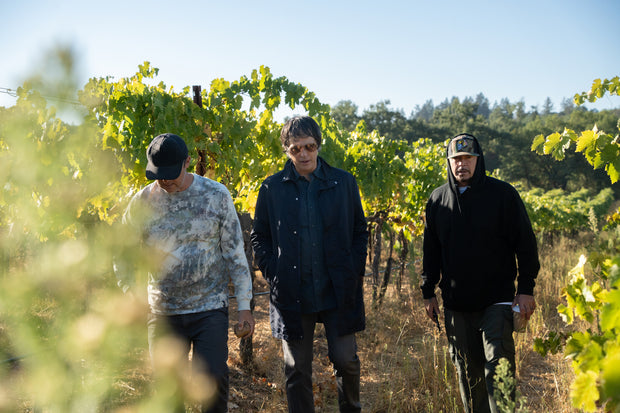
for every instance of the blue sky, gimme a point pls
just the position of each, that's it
(363, 51)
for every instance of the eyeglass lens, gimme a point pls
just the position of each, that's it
(310, 147)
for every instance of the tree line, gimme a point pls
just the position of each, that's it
(505, 130)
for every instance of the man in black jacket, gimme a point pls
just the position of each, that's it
(309, 240)
(477, 230)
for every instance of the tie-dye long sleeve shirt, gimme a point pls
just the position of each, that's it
(195, 238)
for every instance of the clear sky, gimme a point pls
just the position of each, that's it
(406, 51)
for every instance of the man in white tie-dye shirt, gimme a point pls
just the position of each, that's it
(192, 231)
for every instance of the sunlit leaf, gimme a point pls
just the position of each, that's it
(584, 391)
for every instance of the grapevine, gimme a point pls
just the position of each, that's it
(591, 296)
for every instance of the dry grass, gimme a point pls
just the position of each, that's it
(405, 361)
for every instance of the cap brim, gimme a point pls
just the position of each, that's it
(454, 155)
(163, 172)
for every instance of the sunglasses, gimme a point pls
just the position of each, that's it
(310, 147)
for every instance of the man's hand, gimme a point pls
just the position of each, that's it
(245, 326)
(432, 307)
(432, 310)
(526, 303)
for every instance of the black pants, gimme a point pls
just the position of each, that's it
(342, 352)
(478, 340)
(208, 333)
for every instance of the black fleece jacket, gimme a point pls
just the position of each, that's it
(473, 242)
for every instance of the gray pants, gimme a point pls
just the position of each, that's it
(342, 352)
(477, 341)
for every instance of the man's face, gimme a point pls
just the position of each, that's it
(172, 185)
(304, 153)
(463, 168)
(177, 184)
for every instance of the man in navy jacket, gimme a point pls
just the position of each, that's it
(309, 240)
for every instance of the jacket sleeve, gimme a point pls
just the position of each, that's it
(360, 229)
(261, 236)
(431, 248)
(526, 249)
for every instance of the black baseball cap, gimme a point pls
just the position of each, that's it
(166, 155)
(462, 144)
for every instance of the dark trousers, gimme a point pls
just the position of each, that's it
(342, 352)
(477, 341)
(207, 332)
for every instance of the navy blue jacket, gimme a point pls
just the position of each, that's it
(276, 245)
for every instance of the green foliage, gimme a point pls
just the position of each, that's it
(559, 211)
(227, 134)
(601, 150)
(65, 187)
(65, 191)
(345, 113)
(506, 395)
(389, 123)
(427, 166)
(612, 220)
(59, 308)
(594, 353)
(553, 344)
(61, 313)
(504, 130)
(598, 90)
(592, 299)
(246, 146)
(395, 178)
